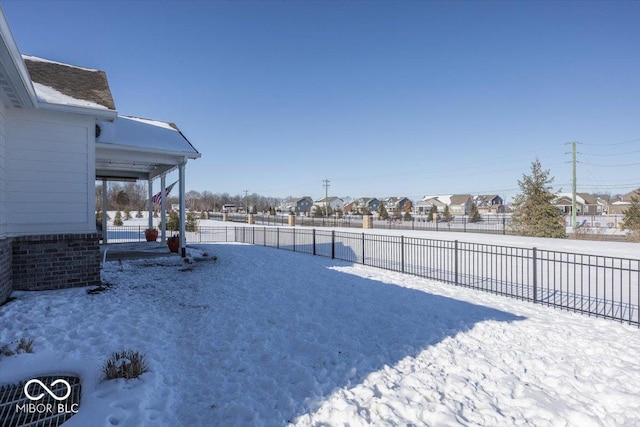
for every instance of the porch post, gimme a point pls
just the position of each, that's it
(163, 210)
(104, 210)
(183, 239)
(150, 204)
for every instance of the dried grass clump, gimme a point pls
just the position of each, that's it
(24, 345)
(125, 364)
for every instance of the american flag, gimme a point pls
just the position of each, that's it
(157, 198)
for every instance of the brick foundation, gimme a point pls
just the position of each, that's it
(5, 270)
(55, 261)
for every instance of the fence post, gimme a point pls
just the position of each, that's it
(265, 236)
(294, 240)
(226, 233)
(464, 220)
(362, 248)
(314, 240)
(277, 237)
(535, 275)
(402, 253)
(333, 244)
(253, 235)
(455, 262)
(504, 228)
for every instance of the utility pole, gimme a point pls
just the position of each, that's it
(573, 200)
(246, 202)
(326, 197)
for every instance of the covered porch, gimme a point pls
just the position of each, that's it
(133, 149)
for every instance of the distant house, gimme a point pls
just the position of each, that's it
(51, 121)
(621, 205)
(398, 205)
(297, 205)
(460, 204)
(350, 207)
(423, 207)
(335, 203)
(368, 204)
(489, 204)
(586, 204)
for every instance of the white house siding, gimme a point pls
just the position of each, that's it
(50, 160)
(3, 175)
(6, 282)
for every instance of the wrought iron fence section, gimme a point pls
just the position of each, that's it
(601, 286)
(596, 285)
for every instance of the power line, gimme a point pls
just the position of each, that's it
(608, 145)
(610, 166)
(612, 154)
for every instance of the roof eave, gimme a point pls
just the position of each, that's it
(99, 113)
(108, 145)
(17, 70)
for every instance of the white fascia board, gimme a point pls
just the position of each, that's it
(18, 70)
(131, 149)
(98, 113)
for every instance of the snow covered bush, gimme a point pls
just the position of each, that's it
(125, 364)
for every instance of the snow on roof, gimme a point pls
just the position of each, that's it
(444, 199)
(144, 133)
(36, 59)
(51, 96)
(165, 125)
(569, 196)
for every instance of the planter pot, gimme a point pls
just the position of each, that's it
(173, 243)
(151, 235)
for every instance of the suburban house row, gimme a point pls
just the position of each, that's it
(458, 204)
(59, 133)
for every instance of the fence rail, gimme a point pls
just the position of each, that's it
(595, 285)
(489, 224)
(595, 227)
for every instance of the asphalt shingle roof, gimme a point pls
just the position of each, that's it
(76, 82)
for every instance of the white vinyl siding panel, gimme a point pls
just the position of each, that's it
(50, 169)
(3, 175)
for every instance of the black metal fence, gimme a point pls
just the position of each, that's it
(498, 224)
(595, 285)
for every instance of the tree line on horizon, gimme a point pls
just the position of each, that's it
(534, 213)
(134, 197)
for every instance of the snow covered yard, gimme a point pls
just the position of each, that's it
(268, 337)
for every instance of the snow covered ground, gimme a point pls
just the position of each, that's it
(268, 337)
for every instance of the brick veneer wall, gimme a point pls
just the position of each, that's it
(5, 270)
(55, 261)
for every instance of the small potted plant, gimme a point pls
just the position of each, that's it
(151, 234)
(173, 242)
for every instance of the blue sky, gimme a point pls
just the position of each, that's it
(381, 98)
